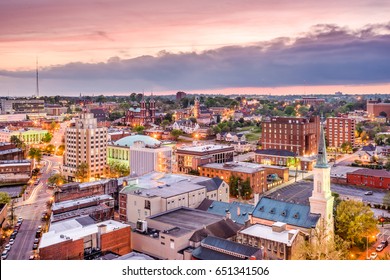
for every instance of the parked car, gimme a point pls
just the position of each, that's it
(35, 246)
(7, 247)
(4, 255)
(382, 245)
(373, 255)
(11, 241)
(368, 193)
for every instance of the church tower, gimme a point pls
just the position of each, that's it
(321, 200)
(152, 109)
(196, 112)
(143, 110)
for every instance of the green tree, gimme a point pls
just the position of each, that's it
(47, 137)
(346, 147)
(175, 133)
(117, 169)
(139, 129)
(289, 110)
(4, 198)
(56, 179)
(35, 154)
(354, 222)
(164, 124)
(16, 141)
(82, 171)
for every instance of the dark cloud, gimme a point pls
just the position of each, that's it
(327, 55)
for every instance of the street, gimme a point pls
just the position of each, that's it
(31, 210)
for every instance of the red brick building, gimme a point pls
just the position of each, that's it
(374, 108)
(339, 131)
(142, 115)
(298, 135)
(369, 178)
(78, 242)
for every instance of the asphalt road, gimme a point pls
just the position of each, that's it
(354, 192)
(31, 210)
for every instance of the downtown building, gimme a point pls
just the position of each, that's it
(85, 142)
(296, 134)
(339, 131)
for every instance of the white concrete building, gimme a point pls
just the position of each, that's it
(85, 142)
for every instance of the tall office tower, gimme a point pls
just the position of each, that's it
(85, 142)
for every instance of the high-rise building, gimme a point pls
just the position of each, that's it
(85, 142)
(339, 131)
(298, 135)
(19, 106)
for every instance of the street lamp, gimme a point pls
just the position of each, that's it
(367, 245)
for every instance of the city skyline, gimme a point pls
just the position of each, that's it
(253, 47)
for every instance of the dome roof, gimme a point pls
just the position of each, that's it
(130, 140)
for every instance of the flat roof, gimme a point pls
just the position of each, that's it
(340, 171)
(204, 148)
(183, 220)
(74, 202)
(74, 230)
(154, 180)
(266, 232)
(244, 167)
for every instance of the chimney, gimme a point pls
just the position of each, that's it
(102, 229)
(228, 215)
(257, 195)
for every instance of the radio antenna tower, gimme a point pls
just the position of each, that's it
(37, 81)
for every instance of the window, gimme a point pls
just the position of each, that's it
(147, 204)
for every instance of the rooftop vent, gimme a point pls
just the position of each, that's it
(296, 215)
(272, 211)
(284, 213)
(262, 209)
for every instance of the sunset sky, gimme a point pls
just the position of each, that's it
(221, 46)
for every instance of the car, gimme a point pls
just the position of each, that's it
(20, 219)
(4, 254)
(39, 227)
(35, 246)
(7, 247)
(373, 255)
(13, 235)
(382, 245)
(368, 193)
(11, 241)
(36, 240)
(32, 257)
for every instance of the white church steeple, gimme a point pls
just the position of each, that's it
(321, 201)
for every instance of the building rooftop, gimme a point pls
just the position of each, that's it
(239, 212)
(184, 220)
(244, 167)
(129, 141)
(158, 179)
(266, 232)
(81, 201)
(75, 229)
(286, 212)
(371, 172)
(213, 248)
(15, 162)
(204, 148)
(276, 152)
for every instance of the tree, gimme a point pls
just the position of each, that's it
(321, 246)
(16, 141)
(164, 124)
(139, 129)
(289, 110)
(35, 154)
(82, 171)
(47, 137)
(354, 222)
(117, 169)
(4, 198)
(56, 179)
(175, 133)
(346, 147)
